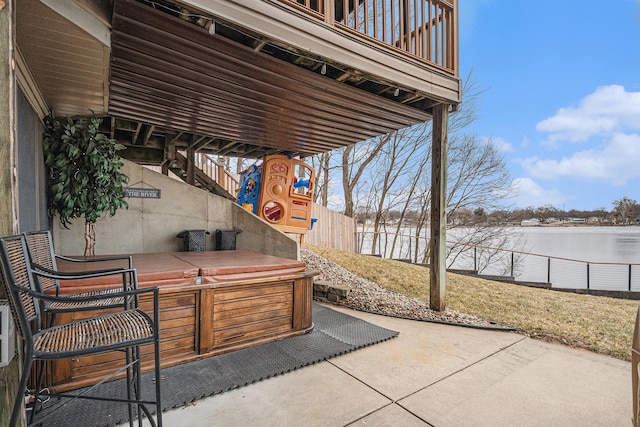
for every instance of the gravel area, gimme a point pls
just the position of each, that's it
(365, 295)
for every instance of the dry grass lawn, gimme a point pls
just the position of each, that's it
(603, 325)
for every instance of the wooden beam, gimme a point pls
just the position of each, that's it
(196, 143)
(438, 242)
(343, 77)
(635, 361)
(259, 45)
(10, 374)
(177, 136)
(144, 156)
(7, 121)
(134, 138)
(414, 97)
(226, 147)
(191, 163)
(112, 132)
(147, 134)
(258, 152)
(169, 154)
(200, 143)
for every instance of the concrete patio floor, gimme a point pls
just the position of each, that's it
(432, 375)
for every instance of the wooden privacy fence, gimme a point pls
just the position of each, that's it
(332, 230)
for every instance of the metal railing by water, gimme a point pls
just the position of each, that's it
(559, 272)
(424, 29)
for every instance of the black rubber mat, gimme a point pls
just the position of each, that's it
(334, 334)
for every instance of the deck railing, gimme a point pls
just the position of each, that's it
(423, 29)
(216, 171)
(213, 168)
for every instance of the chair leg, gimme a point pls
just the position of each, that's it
(36, 393)
(137, 384)
(51, 321)
(156, 362)
(158, 398)
(17, 405)
(129, 357)
(143, 408)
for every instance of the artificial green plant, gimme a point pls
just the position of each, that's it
(84, 178)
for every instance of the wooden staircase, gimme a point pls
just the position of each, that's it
(207, 174)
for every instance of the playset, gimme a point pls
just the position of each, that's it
(280, 191)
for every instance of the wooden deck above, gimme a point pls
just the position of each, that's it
(424, 29)
(241, 78)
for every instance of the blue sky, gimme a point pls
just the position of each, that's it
(562, 97)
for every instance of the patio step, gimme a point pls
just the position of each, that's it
(327, 291)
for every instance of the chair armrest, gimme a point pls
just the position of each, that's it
(44, 269)
(128, 258)
(56, 275)
(129, 295)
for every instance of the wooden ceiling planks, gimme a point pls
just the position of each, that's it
(170, 73)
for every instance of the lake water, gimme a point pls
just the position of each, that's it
(592, 248)
(569, 257)
(592, 244)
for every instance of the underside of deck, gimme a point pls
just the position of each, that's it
(239, 78)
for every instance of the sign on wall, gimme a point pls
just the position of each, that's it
(142, 193)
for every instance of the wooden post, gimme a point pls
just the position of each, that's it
(10, 374)
(169, 148)
(635, 361)
(329, 11)
(438, 242)
(222, 177)
(191, 163)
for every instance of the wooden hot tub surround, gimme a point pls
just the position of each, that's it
(210, 303)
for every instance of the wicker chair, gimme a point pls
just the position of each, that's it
(43, 258)
(124, 329)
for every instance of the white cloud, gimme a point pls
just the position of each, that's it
(609, 119)
(500, 143)
(530, 193)
(608, 110)
(616, 163)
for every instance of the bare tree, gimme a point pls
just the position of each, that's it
(235, 165)
(477, 175)
(410, 206)
(390, 175)
(482, 248)
(406, 168)
(393, 166)
(626, 210)
(363, 215)
(323, 167)
(355, 160)
(478, 181)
